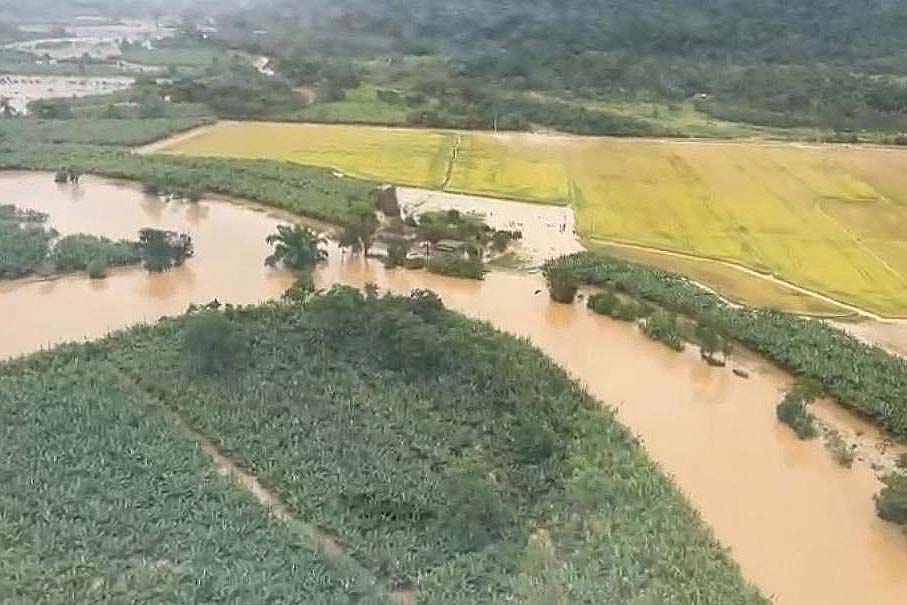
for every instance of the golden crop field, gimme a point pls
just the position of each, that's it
(828, 218)
(515, 166)
(408, 157)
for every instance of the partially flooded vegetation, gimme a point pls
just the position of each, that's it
(400, 465)
(345, 391)
(860, 376)
(28, 246)
(231, 269)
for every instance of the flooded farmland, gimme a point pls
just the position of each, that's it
(802, 528)
(96, 39)
(21, 90)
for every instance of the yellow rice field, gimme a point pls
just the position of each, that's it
(828, 218)
(407, 157)
(515, 166)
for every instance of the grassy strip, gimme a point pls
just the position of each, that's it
(94, 131)
(861, 377)
(312, 192)
(435, 449)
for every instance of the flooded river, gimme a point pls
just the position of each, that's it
(802, 528)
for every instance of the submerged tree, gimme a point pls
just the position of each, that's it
(710, 343)
(163, 250)
(296, 247)
(562, 283)
(891, 503)
(359, 232)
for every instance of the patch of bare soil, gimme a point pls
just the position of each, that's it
(890, 335)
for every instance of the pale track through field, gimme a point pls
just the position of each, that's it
(859, 243)
(311, 536)
(751, 272)
(452, 162)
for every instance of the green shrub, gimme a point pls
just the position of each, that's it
(663, 327)
(840, 450)
(902, 462)
(456, 266)
(212, 344)
(891, 503)
(414, 263)
(97, 268)
(75, 252)
(562, 284)
(301, 290)
(607, 303)
(163, 250)
(792, 412)
(603, 303)
(23, 248)
(500, 240)
(397, 252)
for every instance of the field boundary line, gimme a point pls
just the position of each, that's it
(860, 243)
(310, 535)
(761, 141)
(161, 145)
(452, 161)
(770, 277)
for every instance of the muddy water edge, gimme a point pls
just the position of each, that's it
(801, 527)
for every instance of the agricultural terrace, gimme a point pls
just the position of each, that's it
(409, 449)
(826, 218)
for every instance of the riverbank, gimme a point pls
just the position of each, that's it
(782, 506)
(784, 211)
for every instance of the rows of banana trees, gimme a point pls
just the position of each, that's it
(313, 192)
(864, 378)
(437, 452)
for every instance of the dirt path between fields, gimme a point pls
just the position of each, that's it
(753, 273)
(313, 537)
(452, 162)
(167, 142)
(318, 540)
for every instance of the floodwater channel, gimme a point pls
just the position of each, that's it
(802, 528)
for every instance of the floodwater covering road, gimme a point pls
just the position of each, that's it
(802, 528)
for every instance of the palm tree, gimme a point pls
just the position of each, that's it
(296, 247)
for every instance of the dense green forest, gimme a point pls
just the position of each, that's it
(825, 69)
(370, 417)
(576, 64)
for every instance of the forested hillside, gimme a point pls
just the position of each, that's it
(575, 64)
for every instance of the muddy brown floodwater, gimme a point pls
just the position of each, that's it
(802, 528)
